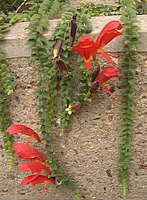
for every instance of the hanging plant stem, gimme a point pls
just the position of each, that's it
(129, 64)
(6, 88)
(62, 33)
(47, 83)
(4, 124)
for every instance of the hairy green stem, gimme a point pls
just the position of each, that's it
(129, 64)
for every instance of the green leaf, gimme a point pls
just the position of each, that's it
(77, 194)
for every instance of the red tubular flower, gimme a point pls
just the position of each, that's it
(95, 74)
(57, 48)
(25, 151)
(62, 67)
(39, 179)
(34, 167)
(110, 31)
(18, 128)
(107, 73)
(73, 29)
(86, 48)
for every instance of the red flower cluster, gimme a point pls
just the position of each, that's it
(25, 151)
(87, 47)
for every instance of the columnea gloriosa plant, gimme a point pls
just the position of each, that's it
(129, 64)
(87, 48)
(55, 71)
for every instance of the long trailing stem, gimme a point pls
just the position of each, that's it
(6, 88)
(47, 83)
(129, 64)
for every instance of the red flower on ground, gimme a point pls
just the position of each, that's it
(34, 167)
(39, 179)
(19, 128)
(110, 31)
(106, 74)
(86, 48)
(25, 151)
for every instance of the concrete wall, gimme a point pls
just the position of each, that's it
(88, 151)
(15, 44)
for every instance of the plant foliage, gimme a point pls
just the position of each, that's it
(9, 5)
(129, 63)
(48, 76)
(6, 88)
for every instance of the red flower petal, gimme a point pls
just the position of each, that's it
(39, 179)
(87, 64)
(107, 73)
(34, 167)
(106, 90)
(109, 32)
(19, 128)
(106, 56)
(25, 151)
(75, 106)
(26, 157)
(44, 188)
(86, 48)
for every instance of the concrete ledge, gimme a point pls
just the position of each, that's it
(15, 46)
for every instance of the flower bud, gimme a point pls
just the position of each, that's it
(93, 89)
(77, 105)
(74, 16)
(95, 74)
(107, 73)
(57, 48)
(73, 29)
(62, 67)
